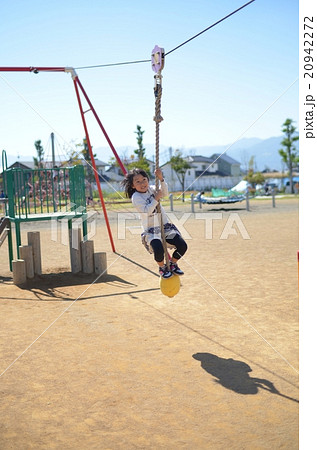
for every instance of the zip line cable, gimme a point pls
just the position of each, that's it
(149, 60)
(211, 26)
(171, 51)
(113, 64)
(143, 61)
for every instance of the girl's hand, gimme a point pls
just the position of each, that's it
(158, 195)
(159, 174)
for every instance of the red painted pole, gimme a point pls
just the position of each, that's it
(93, 164)
(124, 170)
(32, 69)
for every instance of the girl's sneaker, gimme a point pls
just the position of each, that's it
(164, 272)
(175, 269)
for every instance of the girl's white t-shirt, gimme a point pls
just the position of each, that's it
(146, 205)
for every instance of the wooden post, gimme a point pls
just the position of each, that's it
(100, 262)
(75, 252)
(26, 253)
(192, 202)
(87, 255)
(34, 241)
(273, 198)
(247, 200)
(171, 202)
(19, 271)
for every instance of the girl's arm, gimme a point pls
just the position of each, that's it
(164, 188)
(143, 206)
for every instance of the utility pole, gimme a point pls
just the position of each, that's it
(53, 150)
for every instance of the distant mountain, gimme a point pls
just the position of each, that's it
(242, 144)
(264, 151)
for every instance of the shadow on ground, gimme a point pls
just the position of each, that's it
(234, 375)
(215, 208)
(5, 280)
(53, 286)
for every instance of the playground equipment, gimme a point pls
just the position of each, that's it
(42, 194)
(4, 229)
(79, 89)
(169, 286)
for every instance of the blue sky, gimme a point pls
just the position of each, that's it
(214, 87)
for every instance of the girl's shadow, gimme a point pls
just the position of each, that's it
(234, 375)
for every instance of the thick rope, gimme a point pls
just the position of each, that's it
(158, 118)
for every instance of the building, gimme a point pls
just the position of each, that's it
(110, 181)
(100, 165)
(217, 171)
(102, 169)
(227, 165)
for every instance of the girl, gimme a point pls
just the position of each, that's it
(145, 199)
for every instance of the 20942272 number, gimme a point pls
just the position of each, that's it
(308, 47)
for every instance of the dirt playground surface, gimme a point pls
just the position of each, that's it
(113, 364)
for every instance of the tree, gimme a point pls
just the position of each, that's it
(289, 153)
(252, 176)
(90, 176)
(140, 151)
(38, 161)
(141, 162)
(180, 166)
(76, 157)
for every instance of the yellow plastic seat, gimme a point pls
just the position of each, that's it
(170, 286)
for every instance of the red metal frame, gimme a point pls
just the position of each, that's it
(93, 164)
(77, 84)
(124, 171)
(33, 69)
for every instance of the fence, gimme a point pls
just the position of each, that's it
(43, 194)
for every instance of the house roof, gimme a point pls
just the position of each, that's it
(111, 175)
(98, 162)
(210, 159)
(195, 159)
(22, 165)
(225, 158)
(200, 158)
(30, 164)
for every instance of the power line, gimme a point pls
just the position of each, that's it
(169, 52)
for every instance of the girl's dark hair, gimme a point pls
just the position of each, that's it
(128, 181)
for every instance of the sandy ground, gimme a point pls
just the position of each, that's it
(114, 364)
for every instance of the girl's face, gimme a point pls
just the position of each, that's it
(140, 183)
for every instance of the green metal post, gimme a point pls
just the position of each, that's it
(18, 236)
(10, 246)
